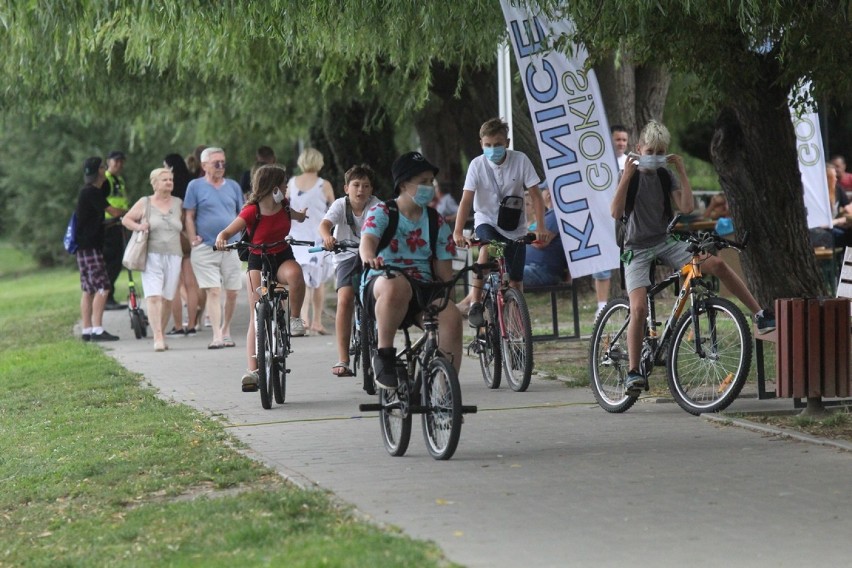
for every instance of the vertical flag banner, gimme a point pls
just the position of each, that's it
(812, 167)
(573, 138)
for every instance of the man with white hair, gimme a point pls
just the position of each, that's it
(211, 203)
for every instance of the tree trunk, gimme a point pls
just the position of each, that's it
(632, 95)
(764, 192)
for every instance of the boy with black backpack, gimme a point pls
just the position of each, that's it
(643, 200)
(342, 222)
(408, 234)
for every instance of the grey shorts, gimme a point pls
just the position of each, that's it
(346, 271)
(637, 273)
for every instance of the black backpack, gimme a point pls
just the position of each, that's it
(393, 223)
(666, 184)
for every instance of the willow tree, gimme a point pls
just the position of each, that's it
(748, 57)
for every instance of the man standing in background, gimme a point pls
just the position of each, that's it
(116, 193)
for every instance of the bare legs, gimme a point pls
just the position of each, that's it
(158, 308)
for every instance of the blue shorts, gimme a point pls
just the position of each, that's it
(515, 252)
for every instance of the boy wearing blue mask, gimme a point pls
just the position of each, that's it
(408, 234)
(494, 188)
(646, 240)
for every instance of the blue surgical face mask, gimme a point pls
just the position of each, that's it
(424, 195)
(652, 162)
(495, 153)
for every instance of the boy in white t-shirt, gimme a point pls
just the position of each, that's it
(342, 222)
(494, 187)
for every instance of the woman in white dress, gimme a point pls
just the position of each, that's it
(309, 191)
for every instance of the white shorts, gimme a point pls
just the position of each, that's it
(161, 275)
(217, 269)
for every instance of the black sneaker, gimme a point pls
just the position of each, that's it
(175, 332)
(634, 383)
(86, 337)
(765, 322)
(104, 336)
(384, 369)
(113, 305)
(475, 315)
(190, 332)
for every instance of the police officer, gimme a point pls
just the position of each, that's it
(116, 192)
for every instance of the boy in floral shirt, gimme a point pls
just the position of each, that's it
(392, 300)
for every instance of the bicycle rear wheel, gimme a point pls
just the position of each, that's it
(707, 375)
(608, 362)
(516, 345)
(355, 343)
(488, 346)
(265, 355)
(395, 421)
(442, 417)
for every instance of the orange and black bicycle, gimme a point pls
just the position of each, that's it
(705, 343)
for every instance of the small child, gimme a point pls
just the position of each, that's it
(267, 217)
(495, 186)
(646, 239)
(344, 218)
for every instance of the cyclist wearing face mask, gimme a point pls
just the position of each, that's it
(646, 240)
(412, 246)
(495, 185)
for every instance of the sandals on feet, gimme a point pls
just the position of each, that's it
(228, 342)
(341, 369)
(216, 345)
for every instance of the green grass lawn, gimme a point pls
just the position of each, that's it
(97, 470)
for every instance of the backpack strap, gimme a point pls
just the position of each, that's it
(393, 223)
(350, 218)
(250, 236)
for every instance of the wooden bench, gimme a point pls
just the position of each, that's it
(554, 291)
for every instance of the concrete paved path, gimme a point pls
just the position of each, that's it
(542, 478)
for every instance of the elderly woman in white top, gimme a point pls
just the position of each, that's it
(161, 215)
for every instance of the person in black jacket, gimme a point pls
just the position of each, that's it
(91, 205)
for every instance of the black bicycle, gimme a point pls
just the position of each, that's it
(272, 326)
(428, 382)
(359, 338)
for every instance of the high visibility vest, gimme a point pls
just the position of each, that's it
(117, 193)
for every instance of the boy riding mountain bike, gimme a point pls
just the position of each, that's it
(644, 195)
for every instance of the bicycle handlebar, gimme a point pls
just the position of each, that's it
(706, 241)
(263, 247)
(529, 238)
(339, 246)
(436, 290)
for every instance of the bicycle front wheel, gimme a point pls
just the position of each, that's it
(395, 423)
(608, 362)
(279, 367)
(516, 344)
(442, 417)
(355, 343)
(488, 345)
(708, 364)
(264, 353)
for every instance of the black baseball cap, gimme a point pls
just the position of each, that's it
(116, 155)
(91, 166)
(407, 166)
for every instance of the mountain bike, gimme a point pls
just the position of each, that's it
(272, 326)
(504, 342)
(359, 338)
(706, 347)
(428, 383)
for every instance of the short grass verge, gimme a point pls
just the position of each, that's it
(97, 470)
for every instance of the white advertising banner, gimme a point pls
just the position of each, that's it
(573, 138)
(812, 166)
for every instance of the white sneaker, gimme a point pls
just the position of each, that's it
(297, 327)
